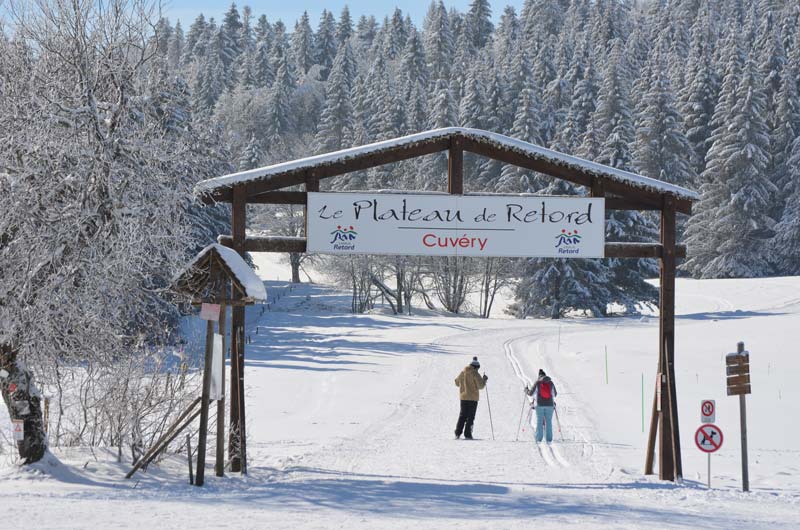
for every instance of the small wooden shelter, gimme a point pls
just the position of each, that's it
(622, 190)
(215, 278)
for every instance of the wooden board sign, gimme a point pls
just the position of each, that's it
(737, 359)
(737, 369)
(738, 390)
(739, 380)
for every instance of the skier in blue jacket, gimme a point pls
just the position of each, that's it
(544, 391)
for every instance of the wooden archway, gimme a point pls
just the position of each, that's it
(622, 191)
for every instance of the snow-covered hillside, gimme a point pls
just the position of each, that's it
(351, 417)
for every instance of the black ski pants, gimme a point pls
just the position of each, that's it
(466, 418)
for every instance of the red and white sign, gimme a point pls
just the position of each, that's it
(708, 411)
(209, 312)
(456, 225)
(708, 438)
(19, 430)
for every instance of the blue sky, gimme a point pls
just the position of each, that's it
(289, 11)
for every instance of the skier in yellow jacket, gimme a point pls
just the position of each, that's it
(469, 383)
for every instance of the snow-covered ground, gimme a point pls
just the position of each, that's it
(351, 417)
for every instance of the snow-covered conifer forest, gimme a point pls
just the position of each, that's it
(109, 114)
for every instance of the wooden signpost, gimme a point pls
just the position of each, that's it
(737, 369)
(216, 279)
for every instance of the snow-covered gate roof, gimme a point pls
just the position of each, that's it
(193, 277)
(486, 143)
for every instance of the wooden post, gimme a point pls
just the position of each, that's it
(670, 466)
(651, 437)
(664, 421)
(743, 430)
(203, 434)
(237, 436)
(189, 457)
(455, 168)
(312, 184)
(219, 466)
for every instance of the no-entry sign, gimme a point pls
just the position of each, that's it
(708, 411)
(708, 438)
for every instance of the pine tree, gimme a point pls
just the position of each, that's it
(506, 38)
(209, 83)
(344, 29)
(613, 117)
(252, 156)
(175, 47)
(413, 69)
(438, 41)
(728, 235)
(336, 123)
(514, 179)
(263, 72)
(227, 43)
(366, 30)
(263, 31)
(395, 37)
(471, 109)
(784, 247)
(195, 37)
(699, 97)
(662, 150)
(785, 121)
(325, 45)
(479, 18)
(303, 45)
(278, 119)
(584, 99)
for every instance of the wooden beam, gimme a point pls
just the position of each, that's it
(340, 167)
(455, 168)
(619, 203)
(512, 157)
(598, 188)
(279, 197)
(639, 250)
(269, 244)
(651, 198)
(298, 244)
(300, 198)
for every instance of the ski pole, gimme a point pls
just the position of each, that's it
(521, 412)
(488, 404)
(558, 422)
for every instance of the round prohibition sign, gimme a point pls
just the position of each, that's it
(708, 438)
(708, 408)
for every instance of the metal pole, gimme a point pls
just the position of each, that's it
(488, 404)
(521, 412)
(709, 470)
(558, 421)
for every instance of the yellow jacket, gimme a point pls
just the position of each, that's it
(469, 383)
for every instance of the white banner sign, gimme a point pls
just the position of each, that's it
(456, 225)
(216, 369)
